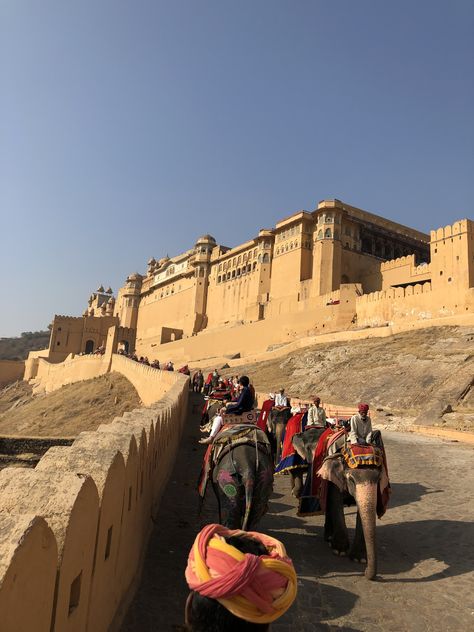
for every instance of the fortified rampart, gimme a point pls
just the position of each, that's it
(73, 531)
(10, 371)
(335, 269)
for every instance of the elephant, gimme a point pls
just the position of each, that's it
(347, 485)
(311, 437)
(242, 479)
(277, 420)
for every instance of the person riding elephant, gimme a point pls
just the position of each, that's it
(341, 474)
(245, 400)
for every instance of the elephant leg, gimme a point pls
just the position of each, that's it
(335, 530)
(296, 482)
(358, 551)
(279, 439)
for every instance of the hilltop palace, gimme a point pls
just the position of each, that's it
(336, 268)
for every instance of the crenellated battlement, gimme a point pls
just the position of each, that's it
(408, 260)
(394, 293)
(452, 230)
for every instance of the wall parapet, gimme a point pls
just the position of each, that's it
(74, 530)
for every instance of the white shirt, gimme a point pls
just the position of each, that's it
(316, 416)
(281, 400)
(360, 429)
(217, 424)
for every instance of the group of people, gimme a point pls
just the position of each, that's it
(245, 580)
(213, 382)
(359, 426)
(155, 364)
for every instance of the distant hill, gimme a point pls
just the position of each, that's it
(18, 348)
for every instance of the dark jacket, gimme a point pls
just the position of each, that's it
(243, 404)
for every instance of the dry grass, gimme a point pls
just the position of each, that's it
(66, 412)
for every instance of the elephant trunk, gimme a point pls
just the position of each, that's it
(366, 498)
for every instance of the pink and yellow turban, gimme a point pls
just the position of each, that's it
(256, 588)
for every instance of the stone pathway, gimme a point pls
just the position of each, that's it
(425, 545)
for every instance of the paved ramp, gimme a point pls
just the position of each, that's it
(425, 543)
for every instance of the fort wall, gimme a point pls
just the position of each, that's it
(73, 531)
(11, 371)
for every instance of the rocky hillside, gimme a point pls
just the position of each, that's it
(18, 348)
(426, 374)
(66, 412)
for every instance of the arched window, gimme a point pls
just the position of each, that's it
(219, 278)
(291, 245)
(239, 259)
(233, 274)
(249, 267)
(254, 265)
(228, 275)
(320, 234)
(266, 258)
(327, 233)
(238, 271)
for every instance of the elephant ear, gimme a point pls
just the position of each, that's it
(299, 444)
(332, 470)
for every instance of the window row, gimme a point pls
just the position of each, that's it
(252, 254)
(235, 274)
(294, 230)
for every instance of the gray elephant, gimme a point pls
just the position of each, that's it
(241, 471)
(366, 486)
(276, 424)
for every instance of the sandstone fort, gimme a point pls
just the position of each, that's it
(337, 268)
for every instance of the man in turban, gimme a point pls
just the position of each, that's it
(239, 580)
(361, 426)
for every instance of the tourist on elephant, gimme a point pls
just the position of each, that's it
(361, 426)
(281, 400)
(217, 424)
(316, 414)
(245, 401)
(239, 581)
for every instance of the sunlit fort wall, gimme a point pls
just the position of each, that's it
(337, 268)
(73, 531)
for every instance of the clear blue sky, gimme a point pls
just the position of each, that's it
(127, 129)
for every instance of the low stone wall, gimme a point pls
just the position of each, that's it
(49, 377)
(151, 384)
(74, 530)
(11, 371)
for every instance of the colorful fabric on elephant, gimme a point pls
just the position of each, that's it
(356, 455)
(255, 588)
(313, 498)
(290, 459)
(263, 416)
(205, 473)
